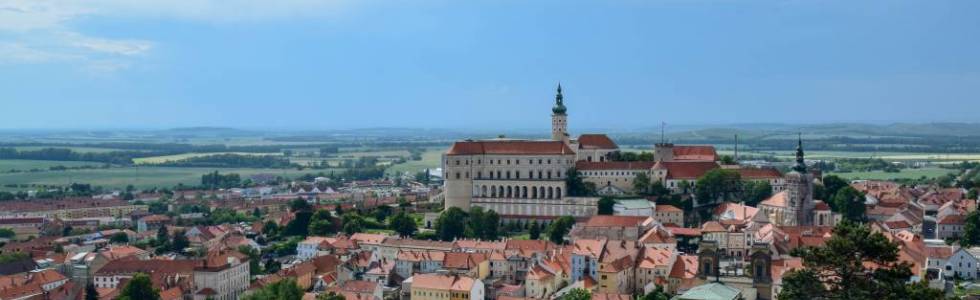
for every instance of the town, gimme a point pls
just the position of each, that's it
(503, 218)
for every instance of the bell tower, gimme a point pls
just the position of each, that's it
(559, 120)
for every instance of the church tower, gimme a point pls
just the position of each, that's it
(799, 186)
(559, 125)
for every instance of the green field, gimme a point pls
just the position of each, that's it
(26, 164)
(430, 160)
(75, 149)
(176, 157)
(904, 174)
(889, 156)
(140, 177)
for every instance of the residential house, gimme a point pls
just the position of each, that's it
(445, 287)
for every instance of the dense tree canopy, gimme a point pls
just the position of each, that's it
(286, 289)
(971, 230)
(718, 185)
(403, 224)
(849, 202)
(322, 223)
(841, 269)
(451, 224)
(577, 186)
(605, 206)
(558, 229)
(139, 288)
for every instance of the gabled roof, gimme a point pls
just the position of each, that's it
(777, 200)
(695, 153)
(443, 282)
(613, 165)
(689, 170)
(596, 141)
(758, 173)
(509, 147)
(685, 267)
(668, 208)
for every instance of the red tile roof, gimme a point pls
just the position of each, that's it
(596, 141)
(688, 169)
(758, 173)
(686, 266)
(668, 208)
(698, 153)
(615, 221)
(613, 165)
(509, 147)
(443, 282)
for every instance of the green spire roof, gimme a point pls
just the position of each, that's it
(559, 108)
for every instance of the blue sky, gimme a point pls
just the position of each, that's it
(478, 64)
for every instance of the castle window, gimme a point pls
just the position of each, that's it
(457, 175)
(508, 161)
(457, 162)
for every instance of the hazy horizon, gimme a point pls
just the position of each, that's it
(484, 65)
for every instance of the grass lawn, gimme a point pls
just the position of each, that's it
(431, 159)
(175, 157)
(26, 164)
(905, 173)
(140, 177)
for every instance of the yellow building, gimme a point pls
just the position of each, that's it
(445, 287)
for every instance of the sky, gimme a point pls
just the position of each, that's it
(295, 64)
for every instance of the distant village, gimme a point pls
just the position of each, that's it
(586, 221)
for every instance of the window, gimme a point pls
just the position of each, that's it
(457, 175)
(457, 162)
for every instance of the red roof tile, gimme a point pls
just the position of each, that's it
(698, 153)
(614, 165)
(596, 141)
(509, 147)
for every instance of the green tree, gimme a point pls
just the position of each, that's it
(641, 184)
(180, 241)
(330, 296)
(578, 294)
(576, 185)
(322, 223)
(451, 224)
(257, 213)
(754, 192)
(139, 288)
(535, 231)
(300, 225)
(559, 229)
(484, 224)
(849, 202)
(285, 289)
(832, 184)
(353, 223)
(727, 160)
(605, 206)
(840, 269)
(971, 230)
(299, 204)
(403, 224)
(90, 292)
(7, 233)
(718, 185)
(382, 212)
(119, 238)
(656, 294)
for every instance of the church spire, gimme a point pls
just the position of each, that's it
(559, 108)
(800, 162)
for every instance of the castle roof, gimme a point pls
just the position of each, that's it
(596, 141)
(695, 153)
(509, 147)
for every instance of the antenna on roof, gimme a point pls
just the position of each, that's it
(736, 148)
(662, 125)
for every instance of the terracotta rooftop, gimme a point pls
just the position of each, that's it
(443, 282)
(695, 153)
(596, 141)
(685, 266)
(758, 173)
(509, 147)
(690, 170)
(613, 165)
(668, 208)
(617, 221)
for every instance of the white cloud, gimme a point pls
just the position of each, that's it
(40, 31)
